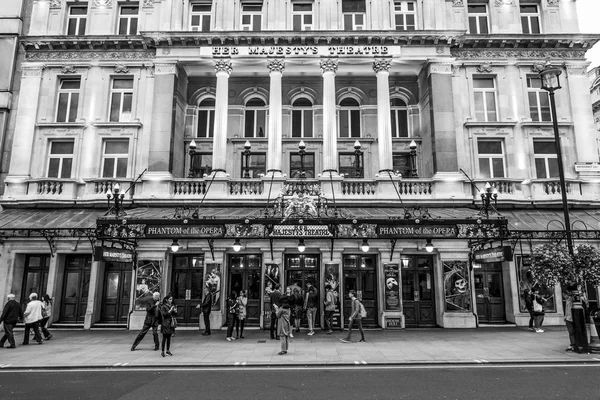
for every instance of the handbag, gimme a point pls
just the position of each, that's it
(537, 307)
(44, 313)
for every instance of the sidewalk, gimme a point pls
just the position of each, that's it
(70, 349)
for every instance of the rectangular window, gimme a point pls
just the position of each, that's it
(115, 156)
(302, 16)
(484, 92)
(296, 166)
(202, 164)
(257, 164)
(251, 16)
(206, 123)
(354, 14)
(349, 166)
(128, 19)
(60, 159)
(546, 162)
(478, 19)
(200, 17)
(350, 123)
(401, 164)
(399, 122)
(121, 100)
(302, 123)
(539, 101)
(405, 15)
(491, 158)
(254, 123)
(77, 20)
(530, 18)
(68, 99)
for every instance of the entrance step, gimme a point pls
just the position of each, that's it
(66, 326)
(108, 326)
(497, 325)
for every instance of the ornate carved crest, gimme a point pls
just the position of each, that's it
(68, 69)
(102, 3)
(55, 3)
(121, 69)
(484, 68)
(457, 3)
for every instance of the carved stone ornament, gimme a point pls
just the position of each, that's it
(89, 55)
(329, 65)
(148, 3)
(223, 66)
(102, 4)
(457, 3)
(499, 3)
(68, 69)
(32, 71)
(573, 70)
(382, 65)
(165, 69)
(440, 68)
(456, 70)
(121, 69)
(553, 2)
(503, 54)
(537, 68)
(484, 68)
(55, 3)
(276, 65)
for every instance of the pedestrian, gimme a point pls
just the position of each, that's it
(232, 314)
(528, 299)
(168, 311)
(283, 325)
(291, 301)
(11, 314)
(330, 302)
(571, 292)
(356, 315)
(275, 301)
(310, 305)
(151, 321)
(538, 308)
(33, 315)
(242, 302)
(206, 308)
(298, 307)
(46, 314)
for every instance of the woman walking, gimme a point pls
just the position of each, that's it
(46, 313)
(242, 301)
(168, 312)
(283, 325)
(538, 308)
(232, 316)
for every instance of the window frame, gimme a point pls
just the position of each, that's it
(528, 17)
(309, 167)
(78, 18)
(350, 171)
(253, 14)
(302, 14)
(201, 15)
(485, 92)
(395, 120)
(303, 110)
(490, 157)
(123, 93)
(73, 95)
(197, 168)
(130, 18)
(61, 157)
(404, 14)
(351, 110)
(354, 16)
(544, 113)
(116, 157)
(255, 169)
(476, 17)
(546, 157)
(407, 169)
(209, 130)
(256, 110)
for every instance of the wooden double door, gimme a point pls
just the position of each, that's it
(76, 285)
(489, 293)
(116, 296)
(360, 274)
(187, 287)
(35, 277)
(244, 274)
(301, 269)
(418, 291)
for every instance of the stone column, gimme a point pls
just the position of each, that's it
(384, 126)
(92, 87)
(27, 111)
(330, 131)
(223, 69)
(94, 304)
(274, 133)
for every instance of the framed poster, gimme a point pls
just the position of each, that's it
(391, 274)
(332, 278)
(213, 281)
(147, 281)
(457, 286)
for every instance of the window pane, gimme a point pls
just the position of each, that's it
(308, 123)
(73, 107)
(353, 6)
(498, 165)
(545, 106)
(66, 168)
(489, 147)
(256, 23)
(525, 25)
(296, 123)
(403, 123)
(533, 109)
(540, 168)
(553, 167)
(82, 23)
(535, 25)
(71, 84)
(477, 9)
(261, 117)
(544, 148)
(127, 100)
(483, 25)
(491, 106)
(344, 123)
(483, 83)
(62, 148)
(117, 147)
(249, 124)
(123, 26)
(347, 22)
(108, 168)
(53, 166)
(393, 122)
(72, 25)
(128, 10)
(63, 101)
(211, 123)
(479, 111)
(121, 168)
(206, 23)
(472, 25)
(115, 107)
(484, 168)
(355, 121)
(123, 84)
(297, 20)
(202, 121)
(133, 26)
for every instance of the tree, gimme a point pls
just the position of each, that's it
(552, 264)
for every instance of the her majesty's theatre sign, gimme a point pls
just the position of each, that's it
(281, 51)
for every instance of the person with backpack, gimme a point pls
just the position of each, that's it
(357, 313)
(330, 301)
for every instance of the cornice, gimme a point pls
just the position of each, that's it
(523, 42)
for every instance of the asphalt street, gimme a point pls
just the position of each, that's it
(489, 382)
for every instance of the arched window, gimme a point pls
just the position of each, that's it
(302, 118)
(349, 118)
(206, 118)
(256, 116)
(399, 113)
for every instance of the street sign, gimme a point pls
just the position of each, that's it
(113, 254)
(496, 254)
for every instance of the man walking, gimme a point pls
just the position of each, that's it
(206, 307)
(330, 301)
(11, 314)
(152, 320)
(275, 301)
(33, 314)
(355, 317)
(310, 304)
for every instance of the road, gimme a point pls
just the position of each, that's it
(489, 382)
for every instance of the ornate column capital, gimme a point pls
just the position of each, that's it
(329, 65)
(276, 65)
(440, 68)
(457, 3)
(223, 65)
(165, 69)
(148, 3)
(55, 3)
(553, 3)
(102, 4)
(32, 71)
(499, 3)
(382, 64)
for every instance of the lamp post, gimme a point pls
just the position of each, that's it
(413, 159)
(192, 153)
(302, 153)
(246, 153)
(357, 154)
(551, 83)
(117, 208)
(487, 196)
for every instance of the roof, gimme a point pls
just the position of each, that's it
(49, 218)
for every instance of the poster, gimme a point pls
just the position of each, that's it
(272, 276)
(457, 286)
(392, 288)
(213, 281)
(332, 278)
(148, 280)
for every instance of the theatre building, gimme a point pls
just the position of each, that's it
(403, 149)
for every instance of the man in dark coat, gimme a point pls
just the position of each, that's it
(11, 314)
(275, 301)
(152, 321)
(206, 307)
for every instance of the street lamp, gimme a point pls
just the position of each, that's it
(357, 154)
(365, 245)
(429, 246)
(413, 159)
(117, 198)
(192, 153)
(302, 153)
(487, 196)
(237, 246)
(175, 246)
(246, 153)
(551, 83)
(301, 246)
